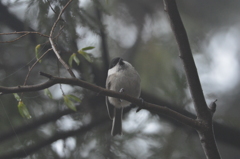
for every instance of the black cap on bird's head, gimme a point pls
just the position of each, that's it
(115, 61)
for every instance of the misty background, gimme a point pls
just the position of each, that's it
(140, 32)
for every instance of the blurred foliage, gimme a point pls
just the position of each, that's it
(137, 30)
(160, 73)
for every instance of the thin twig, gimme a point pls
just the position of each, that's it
(60, 85)
(14, 39)
(91, 21)
(30, 69)
(25, 32)
(60, 31)
(53, 45)
(51, 7)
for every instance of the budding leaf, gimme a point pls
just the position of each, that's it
(88, 48)
(70, 60)
(48, 93)
(85, 55)
(73, 97)
(23, 110)
(69, 103)
(16, 96)
(75, 58)
(37, 48)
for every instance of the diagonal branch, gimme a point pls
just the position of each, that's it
(187, 58)
(54, 46)
(30, 69)
(21, 32)
(223, 133)
(204, 114)
(34, 124)
(61, 135)
(18, 38)
(102, 91)
(25, 32)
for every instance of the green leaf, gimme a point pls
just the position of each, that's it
(69, 103)
(71, 59)
(48, 93)
(37, 48)
(73, 97)
(23, 110)
(16, 96)
(86, 55)
(75, 58)
(88, 48)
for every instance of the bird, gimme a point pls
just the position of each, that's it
(122, 77)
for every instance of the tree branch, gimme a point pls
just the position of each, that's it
(13, 22)
(104, 45)
(25, 32)
(223, 133)
(102, 91)
(18, 38)
(34, 124)
(204, 114)
(187, 58)
(54, 46)
(30, 69)
(61, 135)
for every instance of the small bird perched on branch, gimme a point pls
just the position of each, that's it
(122, 77)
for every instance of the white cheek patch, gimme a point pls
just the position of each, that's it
(112, 70)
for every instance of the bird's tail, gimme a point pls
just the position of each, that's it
(117, 122)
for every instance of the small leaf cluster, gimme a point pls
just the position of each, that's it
(68, 99)
(22, 108)
(37, 48)
(82, 52)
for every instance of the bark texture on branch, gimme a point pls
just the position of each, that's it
(102, 91)
(204, 114)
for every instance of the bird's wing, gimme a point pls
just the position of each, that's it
(110, 107)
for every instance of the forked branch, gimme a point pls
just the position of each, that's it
(204, 114)
(54, 46)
